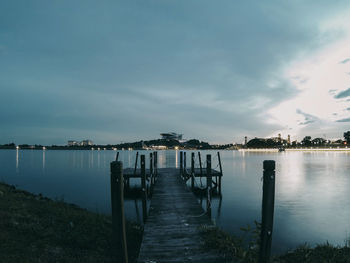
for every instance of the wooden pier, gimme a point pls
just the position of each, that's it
(172, 229)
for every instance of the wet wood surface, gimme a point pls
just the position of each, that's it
(172, 229)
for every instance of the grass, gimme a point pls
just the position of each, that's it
(37, 229)
(236, 249)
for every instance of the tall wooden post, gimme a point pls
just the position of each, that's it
(221, 174)
(151, 173)
(137, 156)
(181, 162)
(209, 184)
(155, 163)
(184, 170)
(200, 163)
(192, 170)
(144, 189)
(117, 156)
(268, 204)
(117, 204)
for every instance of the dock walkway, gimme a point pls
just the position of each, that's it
(171, 232)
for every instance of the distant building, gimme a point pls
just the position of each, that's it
(245, 140)
(81, 143)
(288, 140)
(171, 136)
(72, 143)
(86, 143)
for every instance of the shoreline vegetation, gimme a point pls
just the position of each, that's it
(34, 228)
(254, 145)
(37, 229)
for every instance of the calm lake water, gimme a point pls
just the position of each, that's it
(312, 188)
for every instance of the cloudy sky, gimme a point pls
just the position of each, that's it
(115, 71)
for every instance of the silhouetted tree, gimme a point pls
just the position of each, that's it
(306, 141)
(347, 137)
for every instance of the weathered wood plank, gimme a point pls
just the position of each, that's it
(171, 233)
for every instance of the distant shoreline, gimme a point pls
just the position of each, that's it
(296, 150)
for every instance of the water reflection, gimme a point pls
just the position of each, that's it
(312, 189)
(43, 159)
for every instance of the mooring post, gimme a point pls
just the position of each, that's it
(268, 204)
(144, 189)
(221, 174)
(200, 163)
(184, 172)
(192, 170)
(117, 204)
(181, 162)
(209, 183)
(156, 163)
(137, 156)
(151, 173)
(117, 156)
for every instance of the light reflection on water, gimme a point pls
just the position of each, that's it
(312, 188)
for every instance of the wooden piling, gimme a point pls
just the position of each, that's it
(118, 217)
(137, 156)
(192, 170)
(209, 184)
(268, 204)
(144, 188)
(151, 173)
(221, 174)
(181, 162)
(184, 171)
(200, 163)
(155, 164)
(117, 156)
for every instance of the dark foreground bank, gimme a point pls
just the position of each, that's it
(36, 229)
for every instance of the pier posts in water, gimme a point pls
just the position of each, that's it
(117, 204)
(155, 160)
(200, 163)
(268, 203)
(219, 158)
(209, 184)
(192, 170)
(151, 173)
(137, 156)
(181, 162)
(144, 189)
(184, 170)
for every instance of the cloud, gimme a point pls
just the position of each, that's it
(345, 61)
(344, 120)
(343, 94)
(308, 118)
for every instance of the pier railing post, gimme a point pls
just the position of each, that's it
(209, 184)
(184, 171)
(117, 156)
(144, 188)
(137, 156)
(221, 174)
(268, 204)
(151, 173)
(155, 166)
(181, 162)
(200, 163)
(117, 204)
(192, 170)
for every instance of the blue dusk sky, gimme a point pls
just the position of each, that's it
(114, 71)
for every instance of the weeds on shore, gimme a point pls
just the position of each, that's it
(34, 228)
(245, 249)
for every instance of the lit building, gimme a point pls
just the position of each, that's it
(82, 143)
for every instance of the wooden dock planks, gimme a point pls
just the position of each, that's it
(171, 233)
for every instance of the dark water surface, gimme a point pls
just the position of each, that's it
(312, 188)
